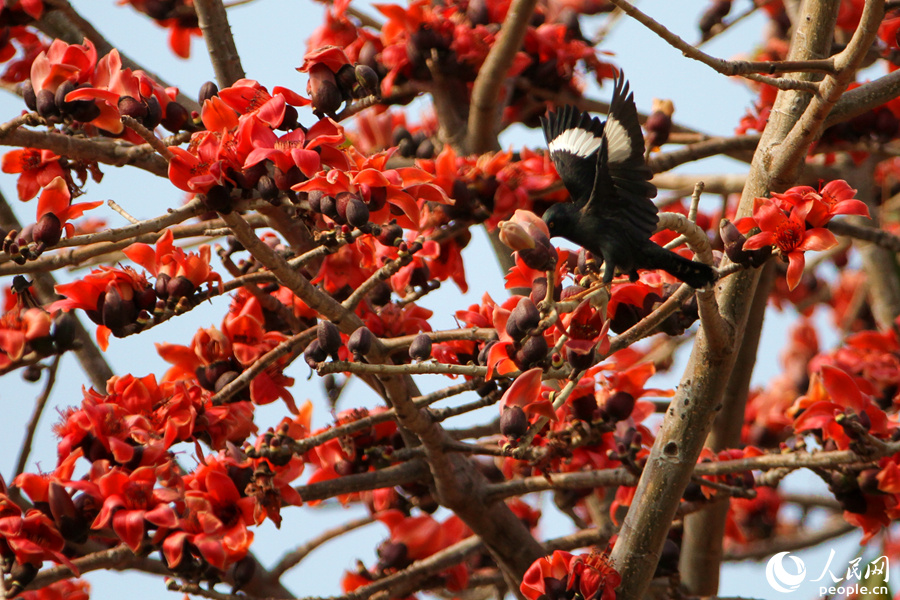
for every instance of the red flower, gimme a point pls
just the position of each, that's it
(788, 234)
(67, 589)
(37, 167)
(130, 500)
(526, 393)
(172, 261)
(835, 394)
(33, 538)
(56, 199)
(591, 576)
(63, 62)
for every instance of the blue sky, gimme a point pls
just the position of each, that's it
(270, 36)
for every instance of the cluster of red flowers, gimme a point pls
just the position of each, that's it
(794, 222)
(424, 41)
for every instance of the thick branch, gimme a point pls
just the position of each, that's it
(484, 113)
(223, 54)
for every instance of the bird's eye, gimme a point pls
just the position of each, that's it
(551, 224)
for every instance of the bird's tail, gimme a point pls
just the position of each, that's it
(695, 274)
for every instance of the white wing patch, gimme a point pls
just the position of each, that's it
(617, 140)
(577, 141)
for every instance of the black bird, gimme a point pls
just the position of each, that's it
(602, 165)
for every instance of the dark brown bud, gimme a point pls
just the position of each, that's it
(162, 286)
(20, 576)
(367, 79)
(46, 104)
(289, 121)
(63, 331)
(713, 16)
(360, 342)
(145, 299)
(117, 312)
(242, 573)
(180, 287)
(759, 256)
(380, 294)
(733, 243)
(60, 97)
(618, 407)
(28, 94)
(175, 117)
(668, 560)
(523, 318)
(154, 113)
(420, 349)
(390, 234)
(267, 189)
(132, 107)
(324, 93)
(425, 149)
(32, 373)
(357, 213)
(218, 198)
(483, 353)
(342, 200)
(314, 354)
(392, 556)
(513, 422)
(224, 379)
(314, 198)
(329, 337)
(207, 91)
(346, 80)
(580, 356)
(533, 351)
(48, 230)
(328, 205)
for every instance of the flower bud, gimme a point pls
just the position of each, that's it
(180, 287)
(207, 91)
(46, 104)
(329, 337)
(314, 354)
(63, 331)
(659, 123)
(533, 351)
(580, 354)
(224, 379)
(59, 97)
(420, 349)
(218, 198)
(513, 422)
(357, 212)
(393, 556)
(484, 352)
(242, 573)
(367, 79)
(618, 407)
(20, 576)
(390, 234)
(380, 294)
(523, 318)
(132, 107)
(175, 117)
(328, 205)
(28, 95)
(733, 243)
(162, 286)
(346, 81)
(117, 312)
(323, 90)
(360, 342)
(48, 230)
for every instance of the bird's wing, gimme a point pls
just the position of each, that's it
(573, 138)
(622, 157)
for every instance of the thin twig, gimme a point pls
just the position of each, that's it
(39, 406)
